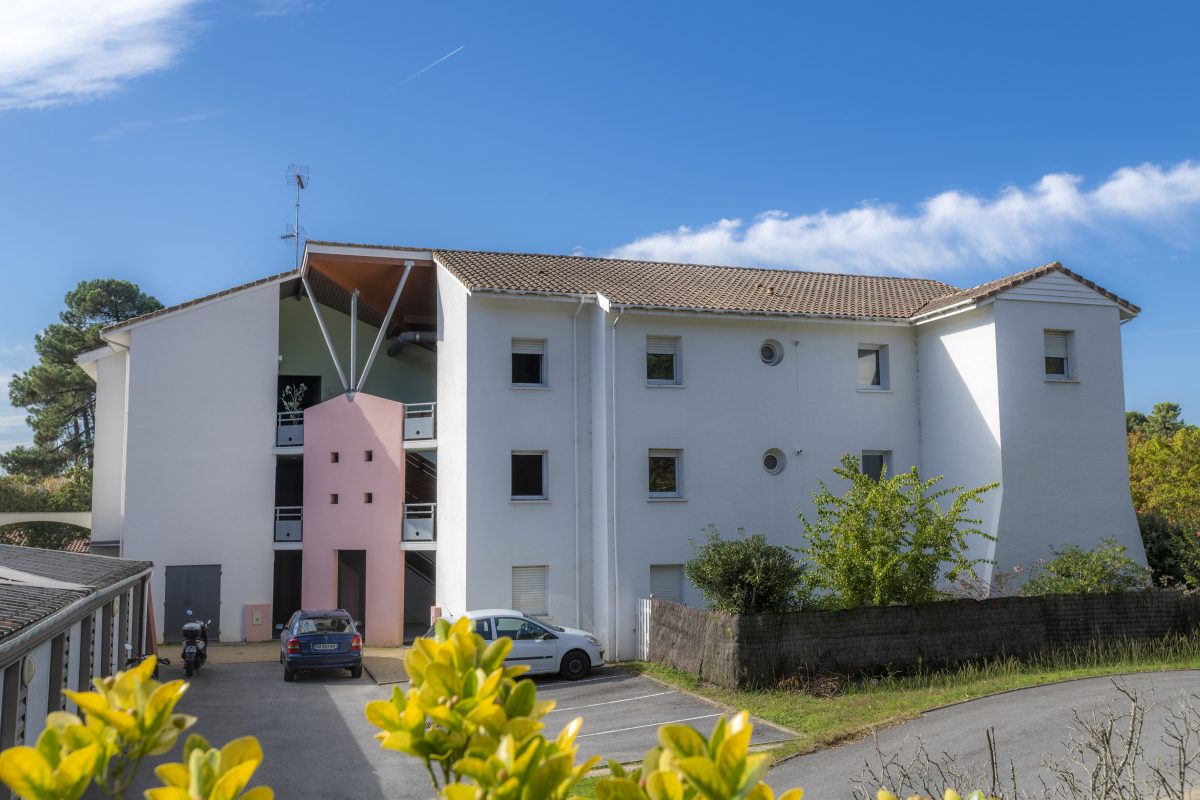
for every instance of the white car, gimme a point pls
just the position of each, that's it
(543, 647)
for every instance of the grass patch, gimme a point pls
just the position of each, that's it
(868, 705)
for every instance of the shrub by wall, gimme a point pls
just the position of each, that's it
(758, 650)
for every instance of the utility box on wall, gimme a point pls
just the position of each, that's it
(257, 622)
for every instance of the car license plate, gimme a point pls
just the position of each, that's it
(330, 646)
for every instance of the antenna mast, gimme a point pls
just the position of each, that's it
(297, 175)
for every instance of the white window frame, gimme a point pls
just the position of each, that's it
(1068, 356)
(529, 498)
(655, 452)
(885, 376)
(655, 346)
(887, 460)
(545, 572)
(530, 346)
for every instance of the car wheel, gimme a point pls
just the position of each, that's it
(289, 675)
(356, 672)
(575, 665)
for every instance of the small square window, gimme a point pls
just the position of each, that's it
(876, 463)
(664, 478)
(872, 366)
(1059, 345)
(529, 476)
(334, 457)
(529, 362)
(368, 497)
(662, 360)
(333, 499)
(368, 455)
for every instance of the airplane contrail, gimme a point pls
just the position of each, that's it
(431, 66)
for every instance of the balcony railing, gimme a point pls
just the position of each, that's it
(289, 429)
(420, 421)
(420, 522)
(289, 525)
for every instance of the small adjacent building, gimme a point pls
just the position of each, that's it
(64, 618)
(388, 429)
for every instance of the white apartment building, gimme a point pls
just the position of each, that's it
(568, 426)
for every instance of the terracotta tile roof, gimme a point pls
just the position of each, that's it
(693, 286)
(993, 288)
(292, 273)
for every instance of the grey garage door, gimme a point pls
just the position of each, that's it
(196, 587)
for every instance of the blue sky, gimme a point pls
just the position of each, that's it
(147, 139)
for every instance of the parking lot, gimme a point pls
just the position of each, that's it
(318, 744)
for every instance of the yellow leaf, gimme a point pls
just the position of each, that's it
(166, 793)
(259, 793)
(792, 794)
(951, 795)
(173, 774)
(26, 772)
(76, 771)
(233, 781)
(240, 751)
(884, 794)
(383, 714)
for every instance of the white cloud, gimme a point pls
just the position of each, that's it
(60, 51)
(953, 230)
(140, 125)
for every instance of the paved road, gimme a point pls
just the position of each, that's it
(1029, 723)
(319, 745)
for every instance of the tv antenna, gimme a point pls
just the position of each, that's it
(297, 175)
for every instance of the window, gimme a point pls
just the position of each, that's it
(529, 476)
(368, 455)
(774, 461)
(664, 473)
(529, 362)
(528, 593)
(662, 360)
(516, 629)
(368, 497)
(771, 352)
(483, 627)
(876, 462)
(872, 366)
(333, 499)
(666, 582)
(1058, 354)
(334, 457)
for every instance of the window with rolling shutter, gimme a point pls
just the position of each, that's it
(1058, 354)
(662, 360)
(529, 362)
(529, 590)
(666, 582)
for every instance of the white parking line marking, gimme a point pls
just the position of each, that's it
(563, 683)
(651, 725)
(610, 702)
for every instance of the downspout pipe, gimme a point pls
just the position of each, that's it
(575, 445)
(616, 539)
(423, 338)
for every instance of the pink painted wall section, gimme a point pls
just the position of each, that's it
(351, 430)
(256, 620)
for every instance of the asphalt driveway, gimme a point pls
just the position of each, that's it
(318, 744)
(1029, 724)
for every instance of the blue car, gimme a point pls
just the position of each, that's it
(325, 639)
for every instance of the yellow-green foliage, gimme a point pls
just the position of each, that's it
(213, 774)
(884, 794)
(685, 765)
(125, 718)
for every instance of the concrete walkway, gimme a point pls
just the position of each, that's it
(1030, 724)
(384, 664)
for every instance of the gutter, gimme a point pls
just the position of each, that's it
(27, 636)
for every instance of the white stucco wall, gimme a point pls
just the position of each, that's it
(109, 454)
(1065, 460)
(452, 431)
(502, 419)
(200, 473)
(960, 413)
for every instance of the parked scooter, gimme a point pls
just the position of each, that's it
(132, 661)
(195, 644)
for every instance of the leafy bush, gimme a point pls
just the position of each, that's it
(1164, 475)
(746, 575)
(128, 717)
(885, 542)
(1172, 551)
(1102, 570)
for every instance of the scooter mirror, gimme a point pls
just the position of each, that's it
(128, 648)
(188, 612)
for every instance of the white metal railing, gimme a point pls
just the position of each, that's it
(289, 523)
(420, 421)
(420, 522)
(289, 428)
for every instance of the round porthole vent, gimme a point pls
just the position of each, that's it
(771, 352)
(774, 461)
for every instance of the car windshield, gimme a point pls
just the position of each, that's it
(324, 625)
